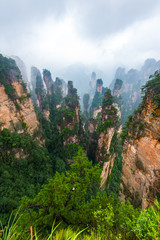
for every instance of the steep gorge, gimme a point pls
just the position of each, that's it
(27, 164)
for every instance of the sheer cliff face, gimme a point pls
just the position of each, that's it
(16, 108)
(106, 128)
(133, 80)
(117, 88)
(69, 122)
(48, 81)
(106, 132)
(141, 157)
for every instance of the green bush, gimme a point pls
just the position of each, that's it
(152, 87)
(24, 86)
(148, 223)
(103, 126)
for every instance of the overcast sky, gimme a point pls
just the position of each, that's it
(102, 33)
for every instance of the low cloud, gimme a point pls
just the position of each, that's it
(56, 34)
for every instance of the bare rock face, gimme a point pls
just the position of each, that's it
(99, 86)
(107, 169)
(117, 88)
(106, 132)
(48, 81)
(97, 112)
(141, 158)
(16, 108)
(107, 127)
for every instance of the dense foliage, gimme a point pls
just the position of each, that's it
(55, 181)
(152, 87)
(74, 198)
(114, 179)
(68, 197)
(135, 126)
(96, 103)
(25, 166)
(6, 66)
(9, 70)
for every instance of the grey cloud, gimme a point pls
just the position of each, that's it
(96, 19)
(92, 18)
(19, 15)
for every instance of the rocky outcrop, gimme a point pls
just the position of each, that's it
(48, 81)
(133, 80)
(43, 101)
(96, 106)
(70, 88)
(16, 108)
(104, 132)
(69, 119)
(117, 88)
(93, 80)
(92, 125)
(99, 86)
(141, 162)
(107, 169)
(118, 103)
(86, 103)
(46, 94)
(59, 86)
(35, 73)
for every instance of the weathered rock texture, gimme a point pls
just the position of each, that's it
(69, 124)
(48, 81)
(106, 132)
(17, 111)
(107, 169)
(141, 157)
(107, 127)
(117, 88)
